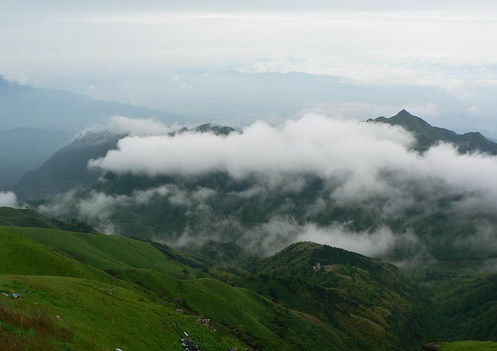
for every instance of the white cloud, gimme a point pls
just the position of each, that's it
(98, 208)
(367, 167)
(374, 243)
(8, 199)
(313, 144)
(130, 126)
(382, 47)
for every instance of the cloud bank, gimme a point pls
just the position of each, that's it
(344, 183)
(129, 126)
(314, 144)
(8, 199)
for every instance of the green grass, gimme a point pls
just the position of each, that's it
(92, 315)
(20, 254)
(82, 291)
(106, 252)
(254, 318)
(29, 218)
(112, 291)
(470, 346)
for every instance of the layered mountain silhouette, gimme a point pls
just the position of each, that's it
(68, 168)
(427, 135)
(25, 106)
(25, 149)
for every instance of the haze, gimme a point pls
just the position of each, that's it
(437, 60)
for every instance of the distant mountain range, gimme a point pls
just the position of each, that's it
(25, 149)
(68, 168)
(25, 106)
(36, 122)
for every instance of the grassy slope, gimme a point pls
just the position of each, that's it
(99, 311)
(142, 287)
(29, 218)
(107, 252)
(256, 320)
(24, 218)
(21, 255)
(94, 316)
(470, 346)
(141, 305)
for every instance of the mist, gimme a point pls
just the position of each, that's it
(8, 199)
(324, 146)
(355, 185)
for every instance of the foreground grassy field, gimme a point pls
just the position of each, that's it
(62, 313)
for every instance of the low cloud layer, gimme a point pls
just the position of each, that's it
(129, 126)
(344, 183)
(372, 243)
(8, 199)
(313, 144)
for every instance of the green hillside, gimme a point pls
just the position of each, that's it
(29, 218)
(107, 253)
(363, 297)
(62, 290)
(60, 313)
(138, 289)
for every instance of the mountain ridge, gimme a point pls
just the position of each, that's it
(427, 135)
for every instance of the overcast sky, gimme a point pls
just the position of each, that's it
(448, 45)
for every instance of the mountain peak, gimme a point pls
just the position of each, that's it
(409, 121)
(404, 113)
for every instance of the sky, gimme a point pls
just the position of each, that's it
(441, 45)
